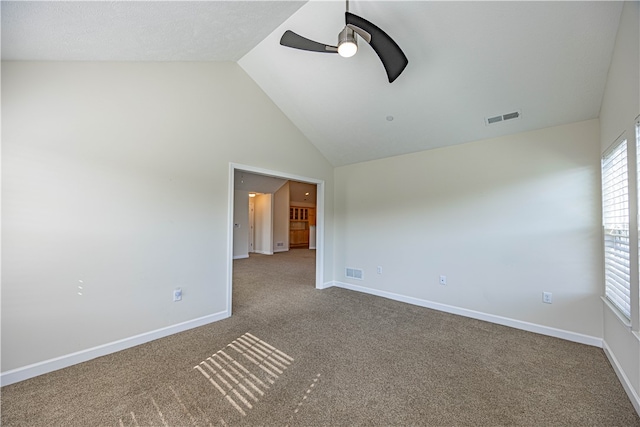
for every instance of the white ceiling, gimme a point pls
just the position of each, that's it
(138, 30)
(302, 192)
(467, 61)
(257, 183)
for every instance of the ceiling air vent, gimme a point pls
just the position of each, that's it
(502, 118)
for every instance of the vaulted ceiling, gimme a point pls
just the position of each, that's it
(467, 61)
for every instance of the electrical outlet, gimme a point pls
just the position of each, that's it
(546, 297)
(443, 280)
(379, 269)
(177, 294)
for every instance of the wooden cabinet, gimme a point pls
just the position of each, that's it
(312, 216)
(300, 219)
(298, 213)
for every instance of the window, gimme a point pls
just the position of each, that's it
(615, 215)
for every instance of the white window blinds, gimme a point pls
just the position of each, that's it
(615, 213)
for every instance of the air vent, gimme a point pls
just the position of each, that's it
(502, 118)
(354, 273)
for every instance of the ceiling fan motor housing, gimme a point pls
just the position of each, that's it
(347, 42)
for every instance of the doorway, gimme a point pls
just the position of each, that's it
(250, 171)
(302, 215)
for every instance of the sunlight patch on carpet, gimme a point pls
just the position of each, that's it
(243, 386)
(307, 393)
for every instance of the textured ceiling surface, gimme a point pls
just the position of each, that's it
(138, 30)
(467, 61)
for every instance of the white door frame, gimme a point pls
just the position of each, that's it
(252, 206)
(319, 221)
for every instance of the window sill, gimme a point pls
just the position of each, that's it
(625, 322)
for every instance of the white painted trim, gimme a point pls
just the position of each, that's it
(326, 285)
(230, 214)
(505, 321)
(264, 252)
(241, 256)
(320, 189)
(626, 383)
(623, 320)
(280, 250)
(46, 366)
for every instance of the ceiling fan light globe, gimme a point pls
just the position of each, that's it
(347, 49)
(347, 44)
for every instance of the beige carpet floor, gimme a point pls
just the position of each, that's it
(293, 355)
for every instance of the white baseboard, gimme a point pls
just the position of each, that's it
(241, 256)
(624, 380)
(281, 250)
(326, 285)
(505, 321)
(40, 368)
(264, 252)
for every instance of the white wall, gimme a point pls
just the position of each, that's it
(281, 218)
(117, 174)
(263, 224)
(620, 107)
(241, 224)
(504, 219)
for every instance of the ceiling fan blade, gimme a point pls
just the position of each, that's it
(291, 39)
(392, 57)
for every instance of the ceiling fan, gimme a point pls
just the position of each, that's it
(392, 57)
